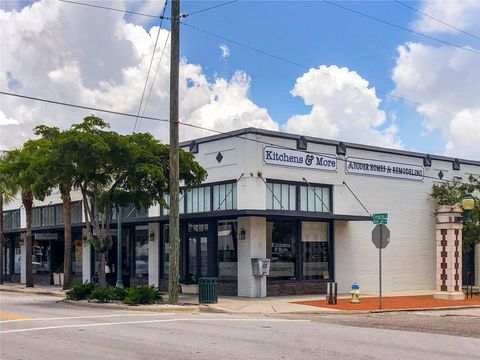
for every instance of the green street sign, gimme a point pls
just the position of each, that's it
(381, 218)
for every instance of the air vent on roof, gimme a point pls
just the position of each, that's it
(193, 147)
(456, 164)
(427, 160)
(341, 148)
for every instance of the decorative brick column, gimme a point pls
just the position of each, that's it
(449, 253)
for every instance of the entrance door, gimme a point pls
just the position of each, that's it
(197, 256)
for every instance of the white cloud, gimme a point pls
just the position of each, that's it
(225, 51)
(344, 107)
(460, 14)
(90, 57)
(443, 78)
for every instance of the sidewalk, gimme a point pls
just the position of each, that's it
(239, 305)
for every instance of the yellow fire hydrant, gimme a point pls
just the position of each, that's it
(355, 293)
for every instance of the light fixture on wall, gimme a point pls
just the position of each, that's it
(151, 236)
(242, 234)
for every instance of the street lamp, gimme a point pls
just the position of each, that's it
(468, 202)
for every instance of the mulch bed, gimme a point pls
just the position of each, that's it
(394, 303)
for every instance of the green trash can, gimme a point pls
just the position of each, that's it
(208, 290)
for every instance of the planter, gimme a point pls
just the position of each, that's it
(58, 279)
(190, 289)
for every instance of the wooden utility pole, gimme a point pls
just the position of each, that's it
(174, 273)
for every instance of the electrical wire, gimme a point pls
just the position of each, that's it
(211, 7)
(188, 125)
(401, 27)
(150, 66)
(437, 19)
(280, 58)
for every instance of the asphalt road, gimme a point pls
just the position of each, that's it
(37, 327)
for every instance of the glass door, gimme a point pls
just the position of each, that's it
(197, 257)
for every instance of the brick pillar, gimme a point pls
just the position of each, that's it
(449, 253)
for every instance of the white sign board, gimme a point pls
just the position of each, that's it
(295, 158)
(384, 168)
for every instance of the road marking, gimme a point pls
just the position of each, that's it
(79, 317)
(14, 317)
(144, 322)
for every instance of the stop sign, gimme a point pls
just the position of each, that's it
(381, 236)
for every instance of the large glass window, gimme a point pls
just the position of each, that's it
(315, 250)
(59, 214)
(76, 210)
(198, 199)
(141, 253)
(11, 219)
(227, 250)
(315, 198)
(224, 196)
(41, 257)
(36, 217)
(17, 256)
(281, 249)
(281, 196)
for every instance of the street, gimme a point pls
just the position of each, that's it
(40, 327)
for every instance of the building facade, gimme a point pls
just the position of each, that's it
(300, 201)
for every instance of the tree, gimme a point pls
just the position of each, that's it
(450, 193)
(114, 170)
(59, 171)
(8, 190)
(24, 167)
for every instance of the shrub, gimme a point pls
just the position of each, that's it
(102, 294)
(80, 291)
(142, 294)
(119, 294)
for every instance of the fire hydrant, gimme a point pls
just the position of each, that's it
(355, 293)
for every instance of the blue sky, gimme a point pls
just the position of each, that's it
(315, 33)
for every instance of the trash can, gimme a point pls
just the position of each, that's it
(208, 290)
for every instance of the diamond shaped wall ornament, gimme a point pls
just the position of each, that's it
(440, 175)
(219, 157)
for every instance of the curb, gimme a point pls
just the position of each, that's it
(27, 292)
(190, 309)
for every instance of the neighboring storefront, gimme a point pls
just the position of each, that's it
(289, 198)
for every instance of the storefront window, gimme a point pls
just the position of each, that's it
(76, 211)
(224, 196)
(281, 196)
(281, 249)
(227, 250)
(198, 199)
(315, 250)
(11, 219)
(315, 198)
(41, 257)
(141, 253)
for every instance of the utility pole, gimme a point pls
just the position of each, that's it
(174, 238)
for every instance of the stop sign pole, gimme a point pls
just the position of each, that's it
(380, 268)
(380, 238)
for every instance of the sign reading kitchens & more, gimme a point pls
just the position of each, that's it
(287, 157)
(384, 168)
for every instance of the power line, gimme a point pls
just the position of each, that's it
(154, 78)
(212, 7)
(436, 19)
(112, 9)
(280, 58)
(324, 73)
(150, 66)
(400, 27)
(181, 123)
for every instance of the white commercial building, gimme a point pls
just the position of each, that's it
(292, 199)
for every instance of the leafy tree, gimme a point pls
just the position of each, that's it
(8, 189)
(452, 193)
(114, 170)
(58, 171)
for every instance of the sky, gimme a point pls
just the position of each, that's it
(305, 67)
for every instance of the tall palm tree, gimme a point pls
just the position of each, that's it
(8, 190)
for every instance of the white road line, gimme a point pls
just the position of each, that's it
(85, 317)
(143, 322)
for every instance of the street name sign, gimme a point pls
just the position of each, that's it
(381, 218)
(381, 236)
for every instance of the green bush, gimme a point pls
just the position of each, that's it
(80, 291)
(142, 294)
(102, 294)
(119, 294)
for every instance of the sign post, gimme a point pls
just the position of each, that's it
(380, 238)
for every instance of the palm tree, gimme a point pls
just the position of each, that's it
(8, 190)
